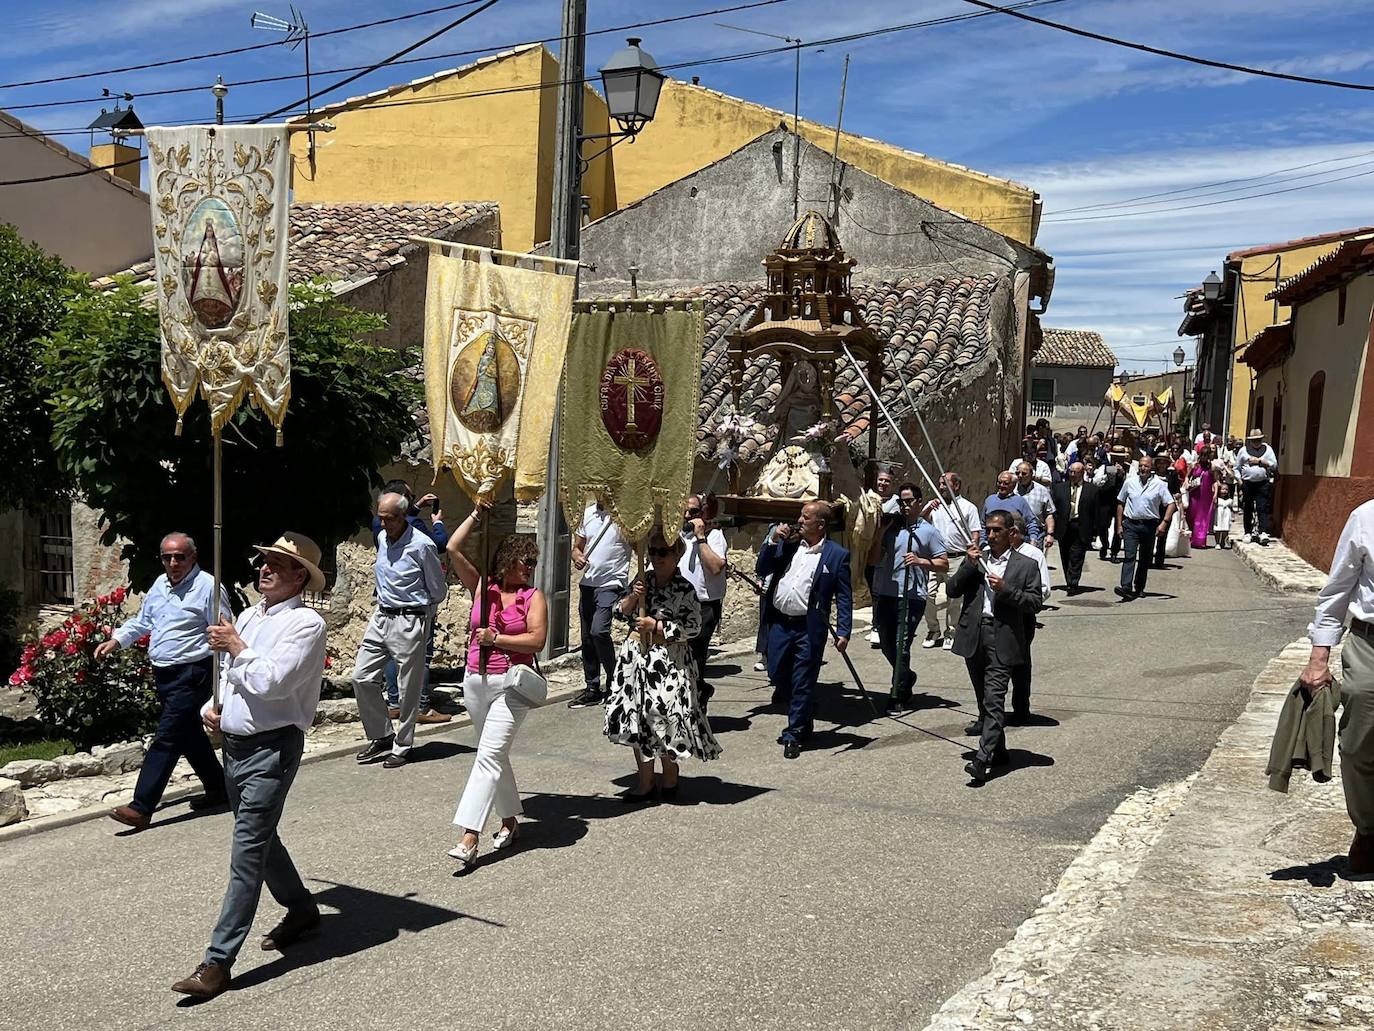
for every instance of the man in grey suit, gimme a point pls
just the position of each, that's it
(998, 595)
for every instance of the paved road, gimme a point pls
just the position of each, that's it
(855, 888)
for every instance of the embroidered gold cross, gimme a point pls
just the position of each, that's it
(631, 382)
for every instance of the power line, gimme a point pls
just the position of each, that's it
(1173, 54)
(235, 50)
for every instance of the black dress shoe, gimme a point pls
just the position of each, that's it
(977, 772)
(974, 729)
(639, 797)
(376, 750)
(1018, 719)
(293, 927)
(207, 801)
(791, 750)
(1124, 594)
(393, 762)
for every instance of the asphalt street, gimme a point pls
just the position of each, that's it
(856, 887)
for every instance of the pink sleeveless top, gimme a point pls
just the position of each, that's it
(508, 620)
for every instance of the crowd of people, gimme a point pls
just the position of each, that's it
(974, 577)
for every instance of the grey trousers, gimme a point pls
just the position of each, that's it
(258, 771)
(399, 638)
(1357, 732)
(990, 679)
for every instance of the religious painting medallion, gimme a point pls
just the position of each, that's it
(485, 383)
(212, 263)
(631, 397)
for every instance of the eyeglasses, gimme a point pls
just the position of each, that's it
(908, 501)
(175, 556)
(660, 552)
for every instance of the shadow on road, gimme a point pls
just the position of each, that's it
(365, 919)
(432, 750)
(1017, 759)
(1320, 875)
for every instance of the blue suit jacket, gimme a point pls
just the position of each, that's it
(831, 585)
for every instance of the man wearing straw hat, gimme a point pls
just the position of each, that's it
(410, 586)
(271, 670)
(1256, 464)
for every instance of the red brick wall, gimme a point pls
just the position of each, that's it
(1311, 512)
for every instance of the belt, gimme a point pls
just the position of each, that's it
(263, 735)
(786, 620)
(1144, 519)
(410, 611)
(1361, 629)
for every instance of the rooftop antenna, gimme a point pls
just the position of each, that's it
(835, 152)
(295, 32)
(796, 108)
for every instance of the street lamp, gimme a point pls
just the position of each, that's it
(1179, 355)
(1211, 287)
(631, 81)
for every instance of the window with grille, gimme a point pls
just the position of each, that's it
(49, 578)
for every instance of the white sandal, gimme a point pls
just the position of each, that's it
(465, 854)
(505, 837)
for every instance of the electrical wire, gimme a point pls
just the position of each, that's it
(1173, 54)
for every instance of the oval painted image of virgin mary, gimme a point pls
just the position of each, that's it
(485, 383)
(212, 263)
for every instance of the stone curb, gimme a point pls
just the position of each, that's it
(1279, 566)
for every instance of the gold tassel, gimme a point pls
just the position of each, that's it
(178, 430)
(280, 439)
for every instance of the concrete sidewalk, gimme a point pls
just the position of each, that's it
(1212, 902)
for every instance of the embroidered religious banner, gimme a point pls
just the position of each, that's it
(495, 336)
(630, 393)
(219, 207)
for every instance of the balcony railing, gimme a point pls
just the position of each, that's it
(1041, 409)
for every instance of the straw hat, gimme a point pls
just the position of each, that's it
(1256, 434)
(298, 548)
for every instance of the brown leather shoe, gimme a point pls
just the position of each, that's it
(433, 716)
(393, 713)
(209, 980)
(1361, 858)
(130, 817)
(293, 927)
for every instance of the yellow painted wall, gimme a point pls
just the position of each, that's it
(1255, 313)
(695, 126)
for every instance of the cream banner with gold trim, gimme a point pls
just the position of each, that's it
(495, 337)
(219, 207)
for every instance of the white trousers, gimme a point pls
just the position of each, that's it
(939, 602)
(403, 638)
(497, 715)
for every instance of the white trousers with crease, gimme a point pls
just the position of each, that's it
(496, 714)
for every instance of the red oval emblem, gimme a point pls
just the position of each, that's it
(632, 399)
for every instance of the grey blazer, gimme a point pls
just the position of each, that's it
(1020, 597)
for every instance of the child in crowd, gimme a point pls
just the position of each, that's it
(1225, 509)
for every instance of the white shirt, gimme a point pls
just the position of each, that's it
(1042, 471)
(1032, 552)
(792, 596)
(177, 617)
(409, 574)
(1041, 504)
(955, 528)
(892, 505)
(1256, 473)
(1350, 587)
(709, 586)
(608, 561)
(275, 681)
(997, 567)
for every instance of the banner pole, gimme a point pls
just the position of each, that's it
(644, 601)
(218, 516)
(485, 601)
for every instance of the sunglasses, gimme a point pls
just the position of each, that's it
(660, 552)
(529, 562)
(175, 556)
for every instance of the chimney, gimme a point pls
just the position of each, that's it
(105, 154)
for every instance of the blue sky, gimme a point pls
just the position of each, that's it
(1082, 122)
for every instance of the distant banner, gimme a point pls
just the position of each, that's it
(1139, 412)
(630, 393)
(495, 337)
(219, 207)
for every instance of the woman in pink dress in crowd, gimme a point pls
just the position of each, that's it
(1202, 496)
(517, 625)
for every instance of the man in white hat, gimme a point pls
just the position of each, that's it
(1256, 465)
(410, 586)
(271, 670)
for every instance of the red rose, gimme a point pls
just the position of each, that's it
(71, 649)
(328, 662)
(80, 677)
(30, 653)
(119, 595)
(104, 599)
(142, 642)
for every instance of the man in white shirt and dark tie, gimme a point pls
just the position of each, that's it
(1349, 591)
(271, 670)
(410, 586)
(176, 613)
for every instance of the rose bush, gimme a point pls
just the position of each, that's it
(90, 701)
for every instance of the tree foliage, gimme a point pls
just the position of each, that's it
(33, 285)
(351, 409)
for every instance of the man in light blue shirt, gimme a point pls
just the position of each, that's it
(1008, 500)
(904, 554)
(176, 612)
(410, 586)
(1144, 507)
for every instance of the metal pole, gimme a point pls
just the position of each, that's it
(835, 150)
(217, 491)
(483, 651)
(1236, 301)
(565, 240)
(310, 137)
(796, 134)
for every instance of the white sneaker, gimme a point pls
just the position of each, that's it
(932, 641)
(760, 667)
(873, 636)
(949, 643)
(1264, 538)
(1248, 539)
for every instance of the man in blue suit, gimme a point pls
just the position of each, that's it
(809, 573)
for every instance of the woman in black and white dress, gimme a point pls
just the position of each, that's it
(653, 706)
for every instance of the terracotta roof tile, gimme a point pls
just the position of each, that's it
(346, 243)
(1074, 347)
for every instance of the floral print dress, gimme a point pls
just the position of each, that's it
(653, 704)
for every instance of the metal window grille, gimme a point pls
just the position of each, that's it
(49, 577)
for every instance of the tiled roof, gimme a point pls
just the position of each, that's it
(1074, 347)
(934, 330)
(1327, 272)
(1302, 241)
(347, 244)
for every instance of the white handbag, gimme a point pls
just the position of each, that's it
(527, 682)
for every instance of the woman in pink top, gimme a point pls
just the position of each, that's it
(518, 621)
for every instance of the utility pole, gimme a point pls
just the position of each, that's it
(553, 575)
